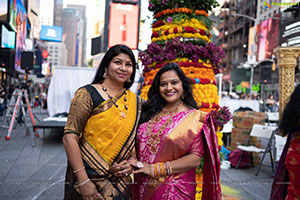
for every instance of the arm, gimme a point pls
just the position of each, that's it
(80, 109)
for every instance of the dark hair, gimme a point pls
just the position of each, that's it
(155, 102)
(109, 55)
(291, 113)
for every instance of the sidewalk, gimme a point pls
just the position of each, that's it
(30, 173)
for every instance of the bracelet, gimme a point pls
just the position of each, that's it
(84, 182)
(152, 170)
(78, 170)
(156, 172)
(162, 169)
(168, 168)
(158, 169)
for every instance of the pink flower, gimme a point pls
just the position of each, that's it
(169, 19)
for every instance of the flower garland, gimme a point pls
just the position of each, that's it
(180, 10)
(176, 48)
(158, 5)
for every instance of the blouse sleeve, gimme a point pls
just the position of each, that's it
(80, 110)
(197, 146)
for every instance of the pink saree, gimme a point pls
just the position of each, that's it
(191, 131)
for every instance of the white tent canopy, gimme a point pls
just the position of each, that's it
(64, 83)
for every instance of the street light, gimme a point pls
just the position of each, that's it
(252, 48)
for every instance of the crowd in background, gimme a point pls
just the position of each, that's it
(37, 94)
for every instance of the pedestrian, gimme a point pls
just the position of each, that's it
(140, 85)
(2, 99)
(99, 136)
(286, 184)
(172, 137)
(271, 103)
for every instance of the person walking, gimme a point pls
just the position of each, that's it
(172, 137)
(286, 184)
(99, 136)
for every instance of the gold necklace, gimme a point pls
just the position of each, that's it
(122, 114)
(154, 139)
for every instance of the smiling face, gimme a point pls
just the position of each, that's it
(120, 69)
(170, 88)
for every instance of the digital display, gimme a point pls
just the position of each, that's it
(123, 25)
(51, 33)
(7, 38)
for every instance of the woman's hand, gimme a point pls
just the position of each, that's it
(89, 191)
(124, 167)
(146, 169)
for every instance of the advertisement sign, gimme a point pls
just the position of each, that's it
(18, 22)
(7, 38)
(51, 33)
(123, 25)
(3, 10)
(290, 33)
(267, 38)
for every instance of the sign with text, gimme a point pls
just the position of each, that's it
(123, 25)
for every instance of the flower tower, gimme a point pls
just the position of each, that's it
(181, 34)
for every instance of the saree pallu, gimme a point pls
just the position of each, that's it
(293, 166)
(286, 184)
(107, 139)
(191, 131)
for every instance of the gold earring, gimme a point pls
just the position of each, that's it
(128, 80)
(182, 96)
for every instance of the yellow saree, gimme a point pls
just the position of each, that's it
(105, 139)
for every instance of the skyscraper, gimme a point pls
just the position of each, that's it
(82, 36)
(70, 25)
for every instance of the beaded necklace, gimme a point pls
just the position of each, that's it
(122, 114)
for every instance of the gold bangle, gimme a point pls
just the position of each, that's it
(84, 182)
(156, 174)
(78, 170)
(162, 169)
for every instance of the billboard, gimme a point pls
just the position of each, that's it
(267, 38)
(123, 25)
(3, 10)
(51, 33)
(18, 22)
(8, 38)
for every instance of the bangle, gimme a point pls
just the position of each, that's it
(152, 170)
(167, 167)
(78, 170)
(162, 169)
(158, 168)
(84, 182)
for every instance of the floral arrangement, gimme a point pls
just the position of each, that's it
(221, 116)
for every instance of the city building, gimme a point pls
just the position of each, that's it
(58, 10)
(46, 12)
(57, 54)
(81, 33)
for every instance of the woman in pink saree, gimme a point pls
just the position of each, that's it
(172, 138)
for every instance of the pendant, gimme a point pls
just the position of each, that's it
(122, 115)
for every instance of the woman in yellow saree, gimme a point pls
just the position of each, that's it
(171, 139)
(99, 136)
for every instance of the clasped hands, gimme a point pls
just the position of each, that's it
(126, 167)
